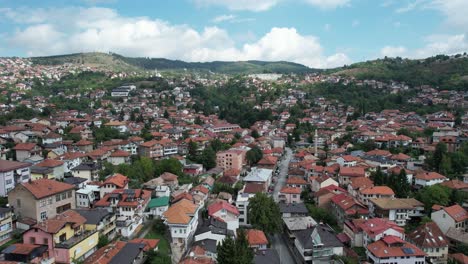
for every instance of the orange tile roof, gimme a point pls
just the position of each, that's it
(256, 237)
(24, 146)
(149, 243)
(291, 190)
(296, 180)
(44, 187)
(382, 190)
(105, 254)
(50, 163)
(118, 180)
(54, 225)
(181, 212)
(429, 176)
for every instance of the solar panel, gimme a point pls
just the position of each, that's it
(408, 250)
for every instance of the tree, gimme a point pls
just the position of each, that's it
(166, 114)
(440, 151)
(255, 134)
(254, 155)
(435, 194)
(103, 240)
(226, 250)
(401, 186)
(208, 158)
(236, 251)
(192, 150)
(264, 214)
(378, 177)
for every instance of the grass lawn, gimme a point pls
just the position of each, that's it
(163, 246)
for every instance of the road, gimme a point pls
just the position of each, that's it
(283, 173)
(277, 241)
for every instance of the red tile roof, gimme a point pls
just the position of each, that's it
(457, 212)
(352, 171)
(25, 146)
(118, 180)
(212, 209)
(44, 187)
(50, 163)
(256, 237)
(291, 190)
(7, 165)
(389, 247)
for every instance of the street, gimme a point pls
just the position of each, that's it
(283, 173)
(277, 241)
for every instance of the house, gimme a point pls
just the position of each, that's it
(157, 206)
(129, 205)
(268, 162)
(86, 195)
(293, 209)
(114, 182)
(11, 174)
(204, 248)
(42, 199)
(320, 182)
(118, 157)
(118, 125)
(399, 210)
(424, 179)
(432, 241)
(453, 216)
(182, 220)
(151, 149)
(213, 229)
(242, 201)
(87, 170)
(118, 252)
(297, 223)
(297, 182)
(374, 192)
(362, 232)
(318, 244)
(26, 253)
(347, 173)
(345, 207)
(257, 239)
(225, 212)
(348, 161)
(57, 167)
(230, 159)
(26, 150)
(84, 145)
(65, 236)
(290, 195)
(323, 196)
(391, 249)
(258, 175)
(6, 224)
(101, 220)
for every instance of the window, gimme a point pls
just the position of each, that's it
(18, 203)
(8, 182)
(49, 201)
(64, 196)
(32, 240)
(42, 203)
(46, 241)
(69, 194)
(43, 215)
(57, 198)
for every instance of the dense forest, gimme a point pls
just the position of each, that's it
(441, 71)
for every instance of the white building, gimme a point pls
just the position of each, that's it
(182, 220)
(12, 173)
(391, 249)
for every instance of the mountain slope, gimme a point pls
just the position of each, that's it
(442, 71)
(118, 62)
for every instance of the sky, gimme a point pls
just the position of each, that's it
(316, 33)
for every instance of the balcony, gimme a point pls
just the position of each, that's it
(76, 239)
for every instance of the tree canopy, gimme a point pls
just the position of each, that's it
(264, 214)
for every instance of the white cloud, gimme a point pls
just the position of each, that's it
(443, 44)
(355, 23)
(454, 10)
(435, 45)
(328, 4)
(102, 29)
(250, 5)
(410, 6)
(223, 18)
(393, 51)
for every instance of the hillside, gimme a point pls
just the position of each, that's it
(118, 62)
(442, 71)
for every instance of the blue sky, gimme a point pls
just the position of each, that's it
(317, 33)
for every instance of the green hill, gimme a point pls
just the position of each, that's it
(118, 62)
(442, 71)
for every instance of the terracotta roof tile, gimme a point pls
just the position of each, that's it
(44, 187)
